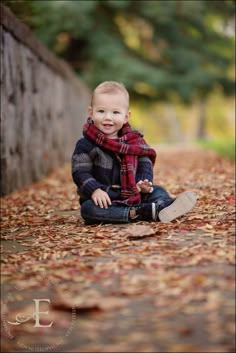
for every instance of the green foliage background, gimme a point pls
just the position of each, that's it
(179, 53)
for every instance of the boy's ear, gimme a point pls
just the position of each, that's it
(90, 111)
(128, 116)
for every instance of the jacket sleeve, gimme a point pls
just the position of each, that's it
(82, 168)
(144, 170)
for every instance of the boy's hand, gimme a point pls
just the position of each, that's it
(144, 186)
(101, 198)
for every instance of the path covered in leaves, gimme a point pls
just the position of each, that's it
(145, 287)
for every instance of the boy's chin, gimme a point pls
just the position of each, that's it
(111, 136)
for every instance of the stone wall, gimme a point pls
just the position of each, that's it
(43, 107)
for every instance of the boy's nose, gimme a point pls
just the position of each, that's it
(108, 115)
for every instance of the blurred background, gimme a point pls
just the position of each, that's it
(176, 58)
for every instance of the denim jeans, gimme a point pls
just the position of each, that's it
(119, 213)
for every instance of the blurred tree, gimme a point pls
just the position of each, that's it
(159, 49)
(23, 9)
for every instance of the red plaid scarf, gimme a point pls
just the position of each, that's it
(128, 147)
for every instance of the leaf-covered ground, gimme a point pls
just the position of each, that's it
(143, 287)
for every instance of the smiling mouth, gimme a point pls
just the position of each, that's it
(107, 125)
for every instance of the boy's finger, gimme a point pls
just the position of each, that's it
(95, 201)
(105, 203)
(100, 203)
(108, 201)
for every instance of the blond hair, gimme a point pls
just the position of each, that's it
(110, 87)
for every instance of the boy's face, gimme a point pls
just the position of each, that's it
(109, 113)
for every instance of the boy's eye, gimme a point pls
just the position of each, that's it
(116, 112)
(101, 111)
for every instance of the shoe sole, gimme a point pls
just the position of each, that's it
(182, 204)
(154, 212)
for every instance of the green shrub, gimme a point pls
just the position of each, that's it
(224, 148)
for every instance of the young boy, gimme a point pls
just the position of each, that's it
(112, 166)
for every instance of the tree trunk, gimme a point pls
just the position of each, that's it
(201, 132)
(171, 117)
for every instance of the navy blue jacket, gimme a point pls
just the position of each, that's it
(94, 167)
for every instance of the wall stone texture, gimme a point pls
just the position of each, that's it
(43, 107)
